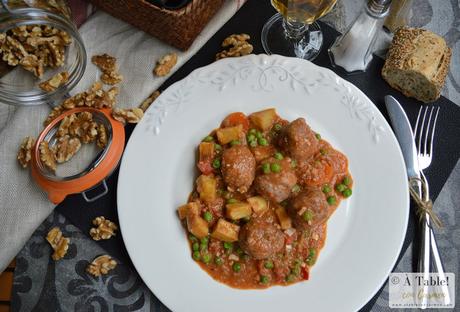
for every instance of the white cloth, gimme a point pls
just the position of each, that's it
(23, 206)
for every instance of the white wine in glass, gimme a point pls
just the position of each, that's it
(293, 31)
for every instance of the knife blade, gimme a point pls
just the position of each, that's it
(404, 134)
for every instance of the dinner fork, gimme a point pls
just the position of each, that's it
(424, 136)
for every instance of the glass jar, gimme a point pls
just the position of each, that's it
(21, 87)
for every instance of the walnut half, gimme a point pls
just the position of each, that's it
(58, 242)
(105, 229)
(25, 151)
(101, 265)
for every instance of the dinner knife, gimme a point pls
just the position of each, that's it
(405, 136)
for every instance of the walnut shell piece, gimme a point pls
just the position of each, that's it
(101, 265)
(25, 151)
(47, 156)
(165, 64)
(58, 242)
(104, 229)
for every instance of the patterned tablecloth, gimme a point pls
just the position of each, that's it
(41, 284)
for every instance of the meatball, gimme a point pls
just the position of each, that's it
(299, 140)
(308, 209)
(238, 168)
(261, 239)
(276, 186)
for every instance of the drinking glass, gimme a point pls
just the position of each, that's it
(293, 31)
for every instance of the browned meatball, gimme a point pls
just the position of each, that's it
(261, 239)
(299, 140)
(276, 186)
(238, 168)
(309, 208)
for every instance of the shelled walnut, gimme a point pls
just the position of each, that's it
(84, 127)
(58, 242)
(54, 82)
(132, 115)
(101, 265)
(108, 65)
(25, 151)
(105, 229)
(237, 45)
(66, 148)
(148, 101)
(102, 137)
(47, 156)
(165, 64)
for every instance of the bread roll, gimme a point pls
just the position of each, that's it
(417, 63)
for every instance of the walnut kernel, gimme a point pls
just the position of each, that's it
(66, 148)
(133, 115)
(165, 64)
(101, 136)
(105, 229)
(238, 46)
(101, 265)
(148, 101)
(25, 151)
(47, 156)
(54, 82)
(58, 242)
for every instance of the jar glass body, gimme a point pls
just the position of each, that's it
(20, 87)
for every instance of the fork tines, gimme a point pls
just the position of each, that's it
(424, 130)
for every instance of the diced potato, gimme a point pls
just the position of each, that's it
(264, 119)
(226, 231)
(226, 135)
(206, 150)
(238, 211)
(258, 204)
(197, 225)
(206, 186)
(184, 210)
(283, 218)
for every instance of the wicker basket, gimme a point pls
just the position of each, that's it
(176, 27)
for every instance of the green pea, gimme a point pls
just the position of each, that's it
(266, 168)
(307, 216)
(278, 156)
(331, 200)
(326, 189)
(296, 188)
(228, 245)
(207, 216)
(252, 131)
(208, 139)
(346, 181)
(205, 240)
(347, 193)
(290, 278)
(204, 247)
(323, 151)
(311, 259)
(340, 187)
(216, 163)
(231, 201)
(262, 141)
(259, 135)
(268, 264)
(275, 167)
(277, 127)
(236, 267)
(195, 246)
(251, 137)
(196, 255)
(219, 261)
(293, 163)
(217, 147)
(206, 258)
(192, 238)
(318, 136)
(253, 143)
(235, 142)
(263, 279)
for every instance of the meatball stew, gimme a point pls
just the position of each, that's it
(257, 216)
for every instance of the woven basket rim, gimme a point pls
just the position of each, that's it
(171, 12)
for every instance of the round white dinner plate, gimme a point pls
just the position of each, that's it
(157, 173)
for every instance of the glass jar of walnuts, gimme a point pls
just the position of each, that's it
(42, 56)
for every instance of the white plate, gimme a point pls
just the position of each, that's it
(365, 234)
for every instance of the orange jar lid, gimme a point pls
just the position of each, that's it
(58, 188)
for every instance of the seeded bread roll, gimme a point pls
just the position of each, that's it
(417, 63)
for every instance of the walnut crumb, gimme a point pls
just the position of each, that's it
(47, 156)
(237, 45)
(25, 151)
(133, 115)
(54, 82)
(101, 265)
(165, 64)
(105, 229)
(58, 242)
(148, 101)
